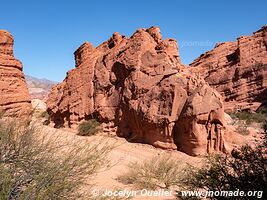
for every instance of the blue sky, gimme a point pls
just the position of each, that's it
(47, 32)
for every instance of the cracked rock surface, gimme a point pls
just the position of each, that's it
(139, 85)
(14, 95)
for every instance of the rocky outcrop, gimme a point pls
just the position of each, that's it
(139, 86)
(14, 98)
(238, 70)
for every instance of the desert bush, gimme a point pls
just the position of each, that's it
(262, 110)
(245, 170)
(258, 117)
(90, 127)
(264, 126)
(242, 129)
(158, 172)
(41, 167)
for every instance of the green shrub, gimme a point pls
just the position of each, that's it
(242, 129)
(158, 172)
(245, 170)
(34, 166)
(263, 110)
(90, 127)
(258, 117)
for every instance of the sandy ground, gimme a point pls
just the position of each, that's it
(124, 153)
(121, 155)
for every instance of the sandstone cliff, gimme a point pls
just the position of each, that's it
(238, 70)
(139, 86)
(14, 98)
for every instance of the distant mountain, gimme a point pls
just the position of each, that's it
(39, 88)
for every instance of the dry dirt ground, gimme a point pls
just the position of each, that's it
(121, 155)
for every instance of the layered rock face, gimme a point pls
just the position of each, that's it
(238, 70)
(139, 86)
(14, 99)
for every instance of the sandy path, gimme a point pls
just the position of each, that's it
(122, 154)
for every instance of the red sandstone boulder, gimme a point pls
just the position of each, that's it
(14, 99)
(139, 85)
(237, 70)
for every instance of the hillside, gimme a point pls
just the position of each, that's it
(39, 88)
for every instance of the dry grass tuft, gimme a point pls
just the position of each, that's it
(158, 172)
(88, 128)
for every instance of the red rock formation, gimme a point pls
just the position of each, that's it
(238, 70)
(139, 85)
(14, 98)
